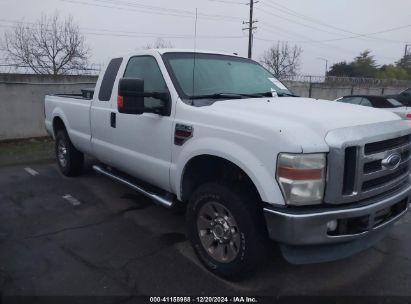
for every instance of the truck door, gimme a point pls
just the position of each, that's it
(100, 113)
(142, 143)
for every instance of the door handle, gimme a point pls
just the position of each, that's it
(113, 119)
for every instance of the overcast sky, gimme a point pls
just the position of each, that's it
(318, 26)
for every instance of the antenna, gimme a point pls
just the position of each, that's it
(195, 32)
(194, 59)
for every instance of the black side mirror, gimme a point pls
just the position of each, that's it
(131, 95)
(130, 98)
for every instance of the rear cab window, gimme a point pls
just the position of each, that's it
(395, 103)
(106, 87)
(386, 103)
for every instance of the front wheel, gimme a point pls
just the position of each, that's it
(226, 230)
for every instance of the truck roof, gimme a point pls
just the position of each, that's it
(162, 51)
(174, 50)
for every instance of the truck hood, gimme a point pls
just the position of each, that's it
(306, 120)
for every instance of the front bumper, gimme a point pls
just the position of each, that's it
(300, 227)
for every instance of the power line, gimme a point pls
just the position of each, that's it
(276, 29)
(289, 11)
(342, 50)
(369, 34)
(294, 21)
(339, 39)
(154, 10)
(180, 13)
(344, 37)
(162, 9)
(294, 13)
(163, 36)
(271, 28)
(114, 33)
(228, 2)
(150, 9)
(131, 34)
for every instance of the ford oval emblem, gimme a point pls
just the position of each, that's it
(392, 161)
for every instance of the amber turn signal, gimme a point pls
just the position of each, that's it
(299, 174)
(120, 101)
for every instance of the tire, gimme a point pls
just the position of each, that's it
(69, 159)
(226, 230)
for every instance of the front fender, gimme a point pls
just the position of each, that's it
(262, 176)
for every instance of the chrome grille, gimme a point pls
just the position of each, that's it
(356, 169)
(384, 145)
(383, 176)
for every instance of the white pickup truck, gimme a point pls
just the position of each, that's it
(251, 161)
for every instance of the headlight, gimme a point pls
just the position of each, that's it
(302, 178)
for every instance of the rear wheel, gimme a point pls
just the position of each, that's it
(69, 159)
(226, 230)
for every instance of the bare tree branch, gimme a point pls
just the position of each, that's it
(49, 46)
(160, 43)
(282, 60)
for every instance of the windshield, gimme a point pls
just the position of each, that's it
(395, 103)
(220, 76)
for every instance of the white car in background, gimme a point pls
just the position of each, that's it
(381, 102)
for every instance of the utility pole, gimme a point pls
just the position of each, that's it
(326, 64)
(406, 49)
(250, 27)
(250, 30)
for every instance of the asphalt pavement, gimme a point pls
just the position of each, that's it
(89, 236)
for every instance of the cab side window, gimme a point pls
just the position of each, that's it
(106, 87)
(146, 68)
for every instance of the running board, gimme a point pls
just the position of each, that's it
(161, 200)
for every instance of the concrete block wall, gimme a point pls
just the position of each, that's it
(332, 91)
(22, 98)
(22, 101)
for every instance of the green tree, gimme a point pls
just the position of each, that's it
(391, 71)
(405, 63)
(364, 65)
(341, 69)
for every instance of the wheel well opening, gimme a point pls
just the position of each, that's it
(58, 125)
(206, 168)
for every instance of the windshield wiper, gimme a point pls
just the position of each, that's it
(240, 95)
(282, 94)
(270, 94)
(218, 96)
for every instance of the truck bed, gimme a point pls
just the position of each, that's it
(74, 111)
(85, 94)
